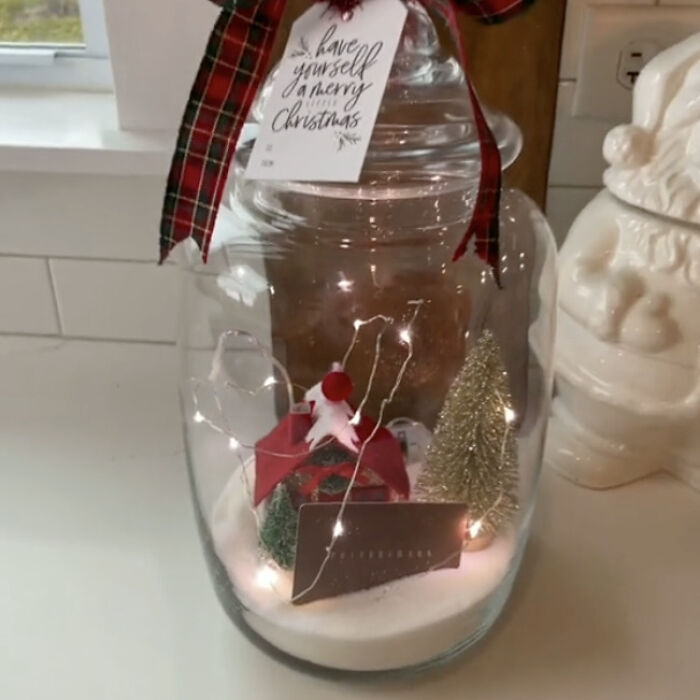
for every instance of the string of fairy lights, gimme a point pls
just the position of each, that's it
(406, 337)
(268, 573)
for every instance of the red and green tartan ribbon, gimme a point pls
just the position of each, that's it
(234, 64)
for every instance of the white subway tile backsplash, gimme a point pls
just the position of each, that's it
(80, 216)
(26, 298)
(119, 300)
(564, 205)
(577, 148)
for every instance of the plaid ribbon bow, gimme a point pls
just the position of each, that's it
(233, 66)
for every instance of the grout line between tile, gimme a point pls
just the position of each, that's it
(79, 258)
(576, 187)
(54, 294)
(82, 338)
(121, 341)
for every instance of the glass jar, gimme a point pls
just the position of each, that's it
(365, 418)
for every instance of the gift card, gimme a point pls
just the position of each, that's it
(373, 544)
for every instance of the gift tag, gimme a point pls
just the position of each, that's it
(320, 117)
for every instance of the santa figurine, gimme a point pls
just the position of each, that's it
(628, 331)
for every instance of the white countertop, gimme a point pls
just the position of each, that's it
(104, 593)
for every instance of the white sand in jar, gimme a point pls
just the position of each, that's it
(402, 623)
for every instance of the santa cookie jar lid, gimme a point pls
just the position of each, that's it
(655, 160)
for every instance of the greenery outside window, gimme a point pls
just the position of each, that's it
(54, 43)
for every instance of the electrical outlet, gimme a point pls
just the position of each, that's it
(633, 57)
(618, 41)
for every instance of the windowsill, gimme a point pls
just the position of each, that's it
(75, 132)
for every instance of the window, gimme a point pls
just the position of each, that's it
(54, 43)
(41, 21)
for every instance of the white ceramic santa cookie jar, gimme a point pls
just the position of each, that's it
(628, 338)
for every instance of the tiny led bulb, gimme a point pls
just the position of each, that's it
(198, 417)
(356, 324)
(233, 443)
(266, 576)
(475, 529)
(355, 420)
(405, 336)
(509, 414)
(338, 529)
(270, 381)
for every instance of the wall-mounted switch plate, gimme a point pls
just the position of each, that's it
(618, 41)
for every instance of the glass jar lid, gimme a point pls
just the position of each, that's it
(425, 134)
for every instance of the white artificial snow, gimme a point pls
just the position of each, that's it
(403, 623)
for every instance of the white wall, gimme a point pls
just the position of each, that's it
(577, 163)
(156, 46)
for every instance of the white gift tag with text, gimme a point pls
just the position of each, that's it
(320, 116)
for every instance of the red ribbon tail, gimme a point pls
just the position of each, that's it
(484, 224)
(234, 64)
